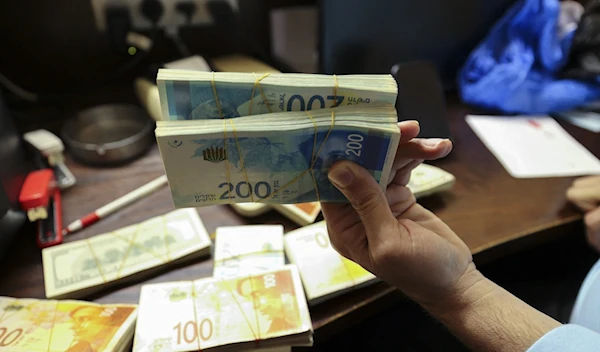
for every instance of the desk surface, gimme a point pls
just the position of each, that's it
(492, 212)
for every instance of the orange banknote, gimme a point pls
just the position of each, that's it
(31, 325)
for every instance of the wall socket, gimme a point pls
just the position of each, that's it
(170, 20)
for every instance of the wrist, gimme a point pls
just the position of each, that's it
(471, 288)
(486, 317)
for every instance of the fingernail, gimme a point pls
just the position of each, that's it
(449, 145)
(342, 176)
(415, 122)
(433, 142)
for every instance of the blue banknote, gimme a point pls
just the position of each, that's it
(198, 98)
(273, 167)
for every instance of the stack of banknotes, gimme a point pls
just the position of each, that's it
(301, 213)
(221, 162)
(324, 272)
(240, 137)
(192, 95)
(76, 269)
(246, 250)
(263, 310)
(31, 325)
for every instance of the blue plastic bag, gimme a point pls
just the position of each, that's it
(515, 68)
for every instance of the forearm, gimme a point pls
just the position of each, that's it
(486, 317)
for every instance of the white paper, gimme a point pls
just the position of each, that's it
(533, 146)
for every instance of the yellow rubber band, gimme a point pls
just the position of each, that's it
(214, 87)
(310, 169)
(87, 241)
(335, 90)
(262, 93)
(53, 325)
(313, 159)
(132, 243)
(242, 160)
(166, 238)
(229, 289)
(225, 141)
(195, 314)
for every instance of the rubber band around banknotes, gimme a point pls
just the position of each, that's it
(166, 237)
(237, 143)
(195, 314)
(131, 242)
(335, 90)
(87, 241)
(262, 93)
(52, 329)
(256, 335)
(225, 143)
(313, 157)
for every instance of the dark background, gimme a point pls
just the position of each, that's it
(52, 47)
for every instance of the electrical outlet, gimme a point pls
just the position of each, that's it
(171, 18)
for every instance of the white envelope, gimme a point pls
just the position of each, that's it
(533, 146)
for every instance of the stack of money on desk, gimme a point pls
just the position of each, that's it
(265, 310)
(31, 325)
(245, 250)
(76, 269)
(301, 213)
(239, 138)
(324, 272)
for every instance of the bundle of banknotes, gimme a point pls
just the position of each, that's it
(245, 250)
(240, 137)
(222, 162)
(263, 310)
(196, 95)
(324, 272)
(31, 325)
(301, 213)
(76, 269)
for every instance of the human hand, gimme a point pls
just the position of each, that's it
(585, 193)
(391, 235)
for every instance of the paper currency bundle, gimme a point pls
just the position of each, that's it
(76, 269)
(324, 272)
(194, 95)
(301, 213)
(239, 314)
(278, 158)
(32, 325)
(245, 250)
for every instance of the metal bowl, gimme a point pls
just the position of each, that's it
(108, 134)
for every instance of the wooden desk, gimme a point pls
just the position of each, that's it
(494, 214)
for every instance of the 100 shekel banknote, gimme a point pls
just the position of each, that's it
(32, 325)
(262, 310)
(277, 167)
(186, 95)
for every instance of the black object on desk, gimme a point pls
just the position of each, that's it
(15, 167)
(421, 97)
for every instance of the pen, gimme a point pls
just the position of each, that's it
(115, 205)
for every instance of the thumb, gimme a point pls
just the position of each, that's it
(365, 196)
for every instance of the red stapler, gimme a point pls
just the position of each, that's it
(40, 197)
